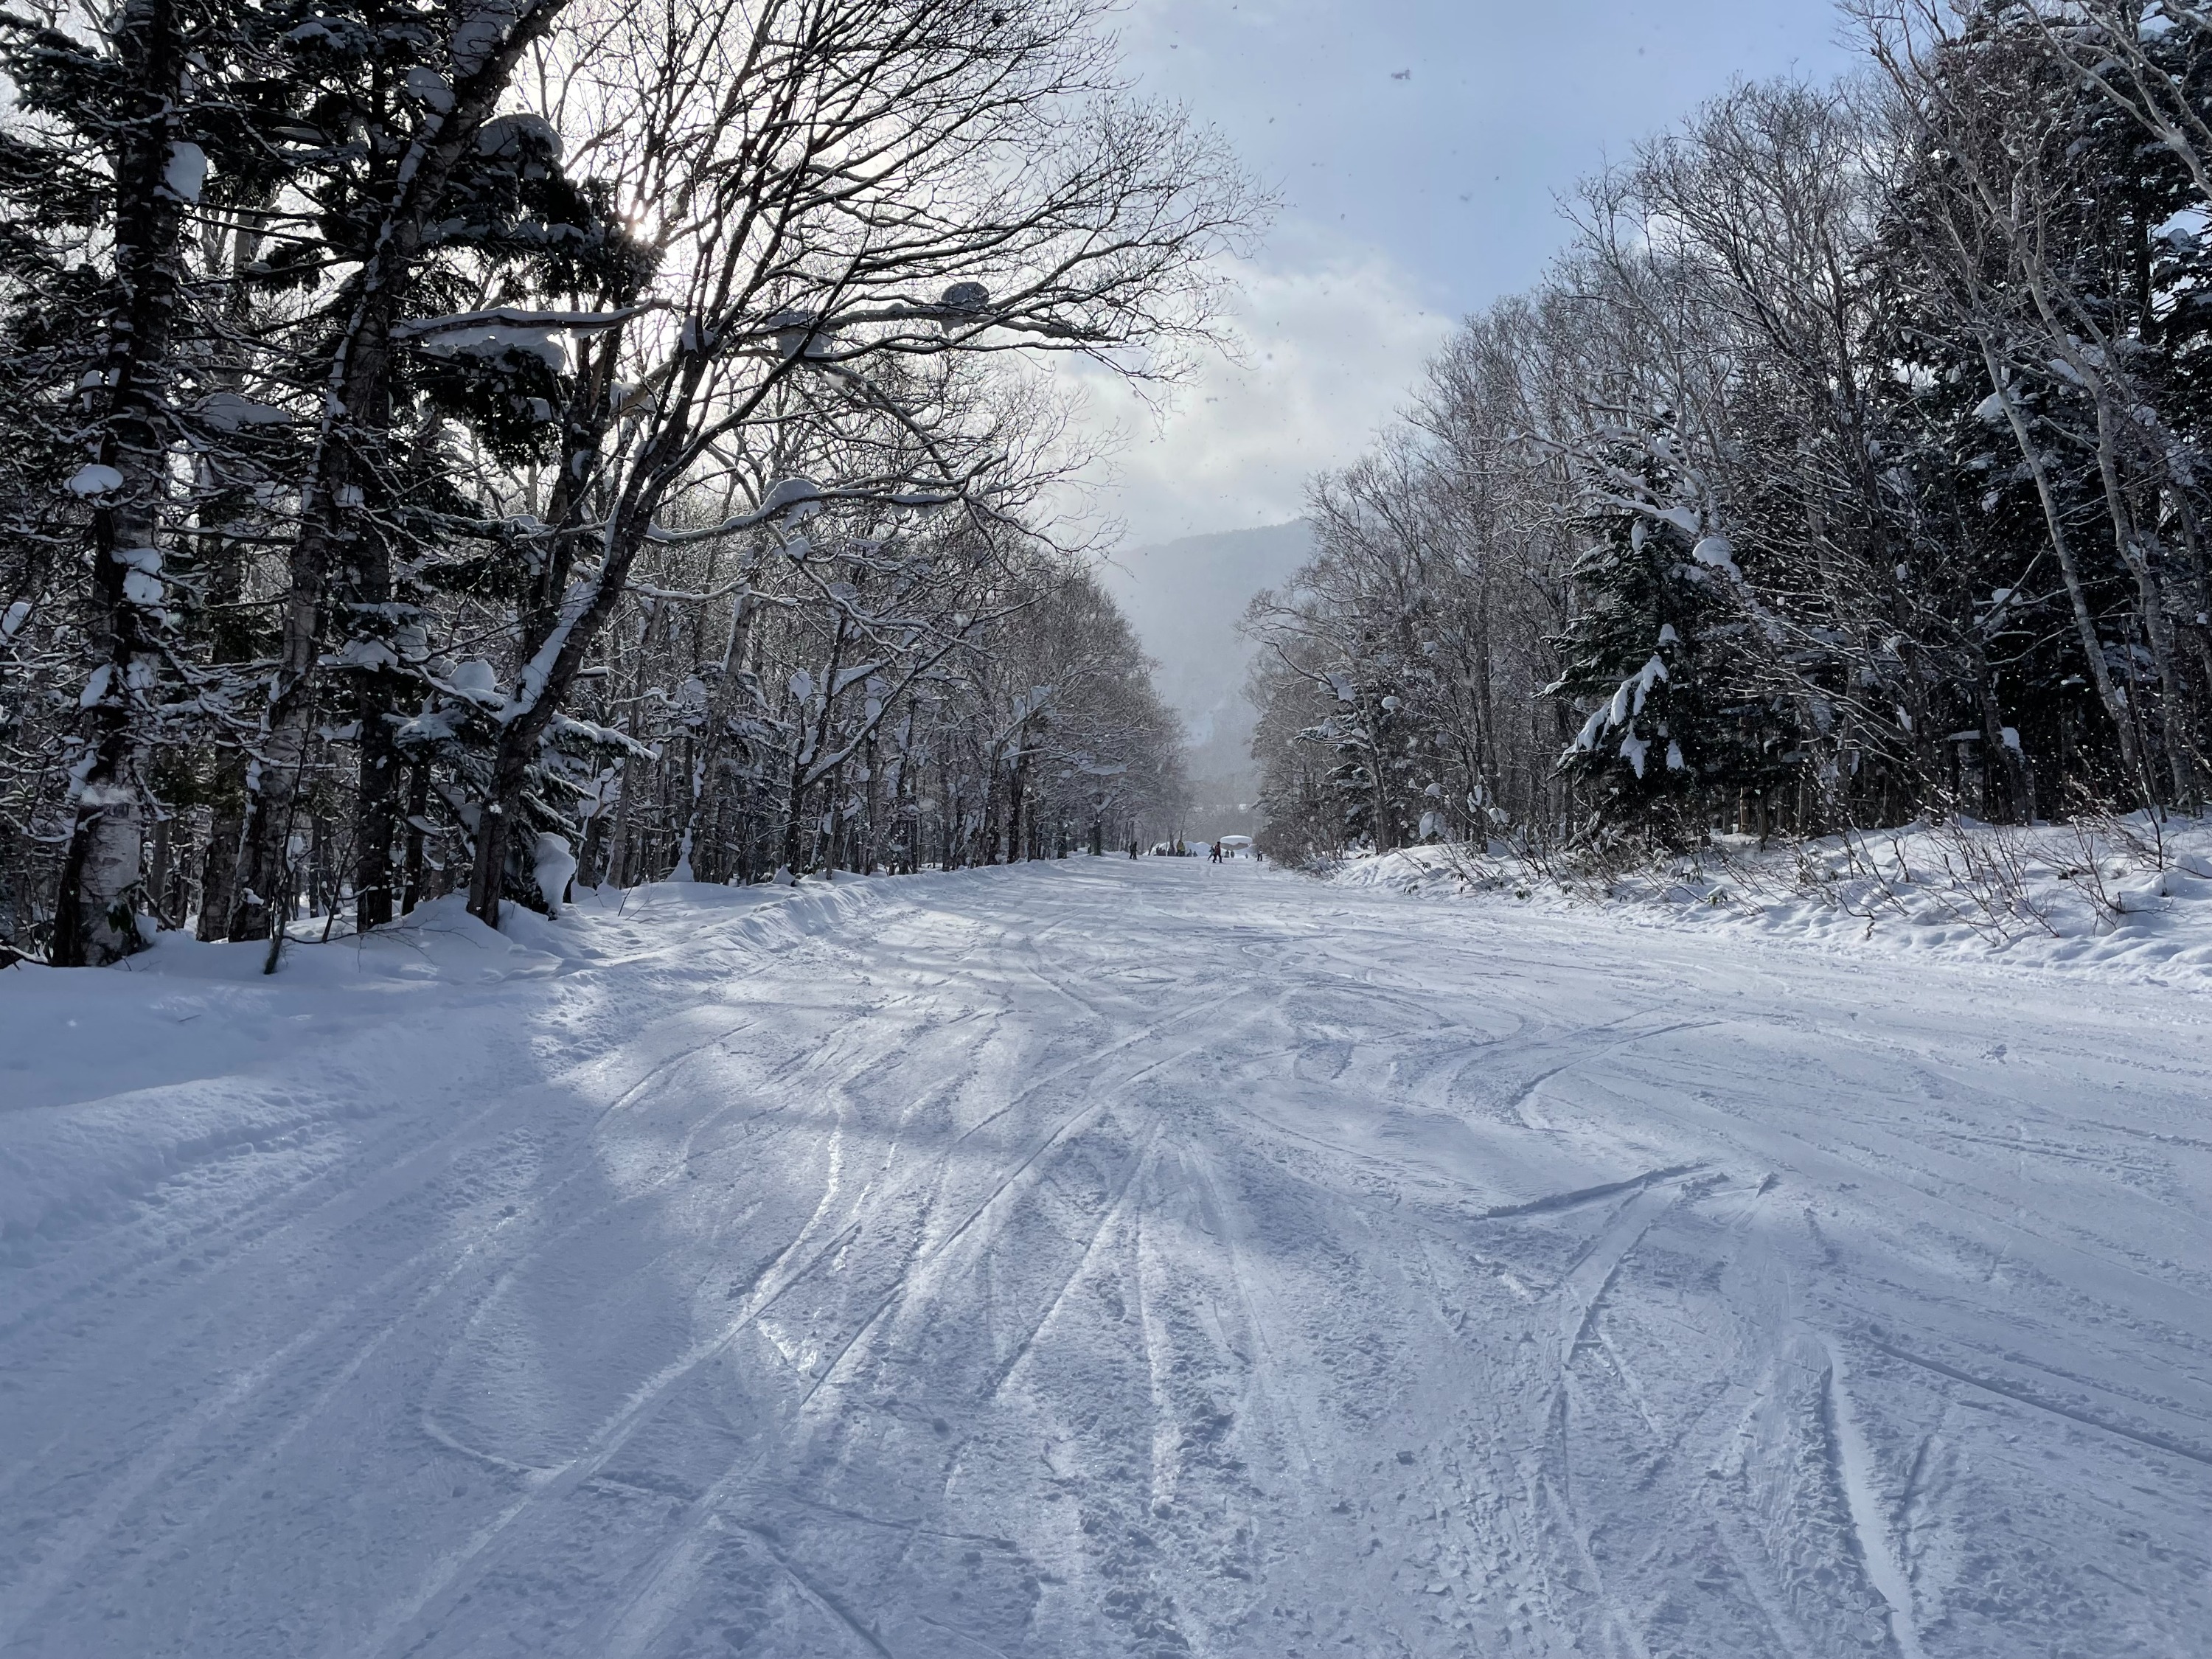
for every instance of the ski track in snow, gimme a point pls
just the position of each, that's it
(1104, 1258)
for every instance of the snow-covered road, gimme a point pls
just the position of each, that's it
(1102, 1258)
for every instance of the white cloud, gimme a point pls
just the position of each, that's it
(1328, 355)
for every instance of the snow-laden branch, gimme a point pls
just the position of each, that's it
(519, 317)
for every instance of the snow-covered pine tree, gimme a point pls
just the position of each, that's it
(1370, 731)
(122, 94)
(1646, 657)
(107, 167)
(54, 300)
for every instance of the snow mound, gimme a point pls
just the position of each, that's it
(2128, 895)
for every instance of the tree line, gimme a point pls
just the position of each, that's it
(1848, 465)
(478, 445)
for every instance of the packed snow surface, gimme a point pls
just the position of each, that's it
(1101, 1258)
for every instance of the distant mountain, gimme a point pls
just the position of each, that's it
(1184, 598)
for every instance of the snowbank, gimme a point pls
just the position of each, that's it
(2130, 896)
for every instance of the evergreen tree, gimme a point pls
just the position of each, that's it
(105, 173)
(1661, 610)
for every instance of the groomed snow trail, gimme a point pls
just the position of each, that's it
(1102, 1258)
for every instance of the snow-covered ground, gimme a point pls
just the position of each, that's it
(1103, 1258)
(2130, 896)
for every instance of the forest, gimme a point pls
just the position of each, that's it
(1848, 468)
(495, 445)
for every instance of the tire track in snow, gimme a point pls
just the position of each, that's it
(2025, 1396)
(454, 1578)
(918, 1279)
(1574, 1301)
(270, 1443)
(1583, 1286)
(1139, 1166)
(819, 1596)
(587, 1152)
(667, 1576)
(664, 1584)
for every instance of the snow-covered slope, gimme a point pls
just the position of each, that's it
(1101, 1259)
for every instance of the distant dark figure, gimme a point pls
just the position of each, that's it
(1213, 853)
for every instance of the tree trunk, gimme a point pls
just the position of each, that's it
(377, 819)
(558, 641)
(216, 870)
(2084, 622)
(2150, 595)
(376, 693)
(418, 807)
(95, 909)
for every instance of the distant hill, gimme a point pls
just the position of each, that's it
(1184, 598)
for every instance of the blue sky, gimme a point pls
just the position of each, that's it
(1418, 149)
